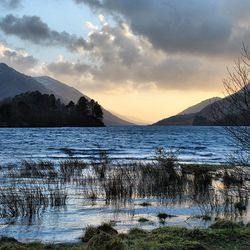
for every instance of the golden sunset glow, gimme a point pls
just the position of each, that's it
(152, 106)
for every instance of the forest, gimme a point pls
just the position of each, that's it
(33, 109)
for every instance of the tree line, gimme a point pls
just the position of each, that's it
(34, 109)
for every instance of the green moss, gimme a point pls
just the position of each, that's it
(225, 224)
(218, 237)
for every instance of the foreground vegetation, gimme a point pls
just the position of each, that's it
(221, 235)
(27, 190)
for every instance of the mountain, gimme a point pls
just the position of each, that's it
(13, 83)
(68, 93)
(233, 110)
(187, 116)
(132, 120)
(200, 106)
(177, 120)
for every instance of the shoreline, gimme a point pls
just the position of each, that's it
(134, 194)
(221, 235)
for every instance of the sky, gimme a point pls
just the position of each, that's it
(145, 59)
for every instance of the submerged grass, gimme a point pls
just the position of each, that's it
(27, 190)
(217, 237)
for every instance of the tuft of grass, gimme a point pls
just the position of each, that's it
(107, 228)
(145, 204)
(143, 220)
(164, 216)
(203, 217)
(92, 231)
(225, 224)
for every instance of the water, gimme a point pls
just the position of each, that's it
(193, 144)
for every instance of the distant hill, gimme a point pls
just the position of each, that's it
(13, 83)
(231, 111)
(198, 107)
(187, 116)
(222, 112)
(177, 120)
(68, 93)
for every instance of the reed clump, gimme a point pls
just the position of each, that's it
(29, 189)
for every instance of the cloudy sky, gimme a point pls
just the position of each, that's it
(146, 58)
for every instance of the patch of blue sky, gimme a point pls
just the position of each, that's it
(60, 15)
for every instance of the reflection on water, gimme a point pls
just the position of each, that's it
(54, 202)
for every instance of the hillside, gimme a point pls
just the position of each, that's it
(13, 83)
(177, 120)
(68, 93)
(187, 116)
(230, 111)
(200, 106)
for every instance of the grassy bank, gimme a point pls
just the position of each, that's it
(221, 235)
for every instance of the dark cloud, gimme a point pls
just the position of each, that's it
(33, 29)
(120, 59)
(189, 26)
(10, 4)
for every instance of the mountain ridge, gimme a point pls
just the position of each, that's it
(199, 106)
(69, 93)
(187, 116)
(13, 83)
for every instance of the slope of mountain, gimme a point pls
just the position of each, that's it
(131, 119)
(232, 110)
(200, 106)
(13, 83)
(187, 116)
(177, 120)
(68, 93)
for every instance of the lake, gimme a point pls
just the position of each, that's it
(124, 144)
(192, 144)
